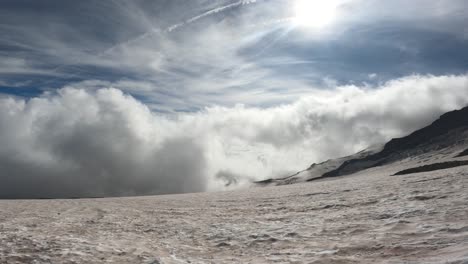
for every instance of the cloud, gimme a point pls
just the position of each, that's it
(101, 142)
(77, 144)
(130, 105)
(226, 52)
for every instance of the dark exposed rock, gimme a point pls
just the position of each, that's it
(463, 154)
(449, 130)
(448, 122)
(316, 170)
(433, 167)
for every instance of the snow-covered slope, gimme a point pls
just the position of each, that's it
(448, 134)
(315, 171)
(370, 217)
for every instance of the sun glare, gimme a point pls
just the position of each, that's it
(314, 13)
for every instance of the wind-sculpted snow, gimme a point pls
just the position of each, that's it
(366, 218)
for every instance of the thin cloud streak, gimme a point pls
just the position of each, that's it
(238, 55)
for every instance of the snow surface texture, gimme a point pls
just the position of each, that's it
(369, 217)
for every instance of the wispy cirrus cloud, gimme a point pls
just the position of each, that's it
(237, 51)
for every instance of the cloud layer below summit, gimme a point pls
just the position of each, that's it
(77, 142)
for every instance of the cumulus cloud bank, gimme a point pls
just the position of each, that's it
(82, 143)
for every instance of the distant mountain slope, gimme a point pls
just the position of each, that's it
(426, 139)
(317, 170)
(451, 129)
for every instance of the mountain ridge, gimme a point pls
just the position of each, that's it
(450, 129)
(447, 122)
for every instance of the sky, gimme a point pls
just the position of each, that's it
(112, 98)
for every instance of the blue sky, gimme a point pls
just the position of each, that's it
(185, 55)
(109, 98)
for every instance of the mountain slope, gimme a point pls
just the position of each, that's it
(449, 130)
(448, 134)
(316, 170)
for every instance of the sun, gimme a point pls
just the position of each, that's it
(315, 13)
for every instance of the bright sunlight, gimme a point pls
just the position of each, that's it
(314, 13)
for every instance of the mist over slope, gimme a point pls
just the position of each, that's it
(449, 130)
(88, 143)
(448, 135)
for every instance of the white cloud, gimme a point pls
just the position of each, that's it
(230, 53)
(102, 142)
